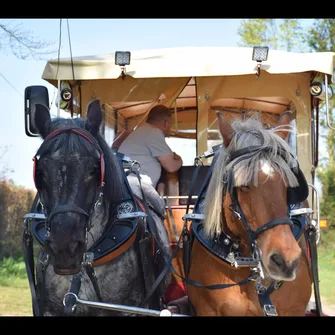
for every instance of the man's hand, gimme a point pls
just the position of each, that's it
(177, 157)
(171, 163)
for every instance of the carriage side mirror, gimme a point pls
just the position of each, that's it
(32, 95)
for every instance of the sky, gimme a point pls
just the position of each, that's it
(88, 37)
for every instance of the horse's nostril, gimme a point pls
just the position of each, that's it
(76, 247)
(73, 248)
(277, 260)
(48, 246)
(295, 264)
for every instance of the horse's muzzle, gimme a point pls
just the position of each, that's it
(67, 272)
(282, 269)
(66, 259)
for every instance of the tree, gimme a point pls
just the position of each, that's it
(253, 32)
(4, 170)
(291, 35)
(15, 202)
(284, 34)
(21, 42)
(321, 38)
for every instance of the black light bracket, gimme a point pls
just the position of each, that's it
(122, 58)
(259, 54)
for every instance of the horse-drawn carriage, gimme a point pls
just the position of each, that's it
(239, 231)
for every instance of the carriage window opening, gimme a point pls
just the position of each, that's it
(267, 109)
(213, 134)
(185, 147)
(109, 134)
(182, 137)
(292, 138)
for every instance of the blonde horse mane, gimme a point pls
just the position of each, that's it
(247, 133)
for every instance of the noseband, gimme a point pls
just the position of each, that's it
(98, 196)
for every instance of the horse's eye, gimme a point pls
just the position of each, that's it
(244, 187)
(41, 175)
(93, 171)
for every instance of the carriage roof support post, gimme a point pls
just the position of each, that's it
(208, 89)
(205, 87)
(202, 120)
(327, 103)
(58, 98)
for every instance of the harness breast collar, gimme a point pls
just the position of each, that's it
(119, 234)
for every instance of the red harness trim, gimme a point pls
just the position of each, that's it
(141, 205)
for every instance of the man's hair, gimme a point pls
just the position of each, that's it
(159, 113)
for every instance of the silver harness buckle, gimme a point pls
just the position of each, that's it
(270, 310)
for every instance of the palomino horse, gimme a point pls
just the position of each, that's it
(94, 237)
(246, 241)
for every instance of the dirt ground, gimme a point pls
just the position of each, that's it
(327, 308)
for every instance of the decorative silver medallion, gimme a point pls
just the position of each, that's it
(125, 207)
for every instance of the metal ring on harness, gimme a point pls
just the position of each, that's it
(197, 160)
(74, 295)
(133, 167)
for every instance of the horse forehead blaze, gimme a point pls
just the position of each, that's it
(266, 168)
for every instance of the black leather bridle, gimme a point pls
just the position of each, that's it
(235, 207)
(73, 208)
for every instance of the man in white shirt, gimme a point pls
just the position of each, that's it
(147, 145)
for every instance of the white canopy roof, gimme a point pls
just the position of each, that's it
(188, 62)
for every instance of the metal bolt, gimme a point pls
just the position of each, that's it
(226, 241)
(230, 256)
(235, 245)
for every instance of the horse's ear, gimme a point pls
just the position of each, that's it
(42, 118)
(225, 129)
(284, 121)
(94, 116)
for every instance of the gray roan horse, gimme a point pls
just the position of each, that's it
(91, 243)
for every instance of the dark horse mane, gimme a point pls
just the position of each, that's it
(67, 142)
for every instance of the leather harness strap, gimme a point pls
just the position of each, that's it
(124, 247)
(314, 265)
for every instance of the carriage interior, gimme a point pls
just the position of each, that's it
(188, 136)
(122, 117)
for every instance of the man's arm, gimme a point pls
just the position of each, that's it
(158, 147)
(171, 163)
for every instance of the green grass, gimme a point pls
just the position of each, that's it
(15, 293)
(326, 262)
(16, 299)
(15, 296)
